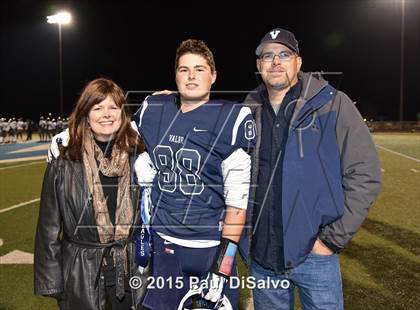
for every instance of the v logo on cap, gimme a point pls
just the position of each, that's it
(278, 35)
(274, 34)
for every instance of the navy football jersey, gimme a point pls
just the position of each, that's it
(187, 150)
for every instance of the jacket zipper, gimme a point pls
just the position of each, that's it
(299, 130)
(300, 143)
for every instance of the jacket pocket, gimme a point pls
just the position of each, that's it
(70, 254)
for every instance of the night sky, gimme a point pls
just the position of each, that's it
(134, 43)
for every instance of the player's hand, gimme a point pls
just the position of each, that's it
(145, 170)
(163, 92)
(212, 287)
(61, 139)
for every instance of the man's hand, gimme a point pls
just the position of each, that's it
(321, 249)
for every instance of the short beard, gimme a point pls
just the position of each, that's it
(279, 86)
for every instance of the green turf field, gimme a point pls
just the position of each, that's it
(381, 266)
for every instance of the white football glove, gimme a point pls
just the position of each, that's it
(145, 170)
(212, 287)
(224, 303)
(61, 138)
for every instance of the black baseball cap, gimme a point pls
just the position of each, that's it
(278, 35)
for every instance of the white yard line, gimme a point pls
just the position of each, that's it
(415, 170)
(397, 153)
(23, 159)
(19, 205)
(23, 165)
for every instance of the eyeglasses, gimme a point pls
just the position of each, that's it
(284, 56)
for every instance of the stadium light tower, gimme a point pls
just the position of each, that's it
(61, 18)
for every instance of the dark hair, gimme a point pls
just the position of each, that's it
(197, 47)
(126, 138)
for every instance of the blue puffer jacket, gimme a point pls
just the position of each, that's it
(331, 172)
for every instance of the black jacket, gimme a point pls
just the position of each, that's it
(68, 260)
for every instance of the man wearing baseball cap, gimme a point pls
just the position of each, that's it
(315, 173)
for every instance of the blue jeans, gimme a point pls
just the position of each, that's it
(317, 279)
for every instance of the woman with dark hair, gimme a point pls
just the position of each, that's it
(83, 248)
